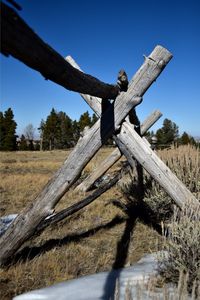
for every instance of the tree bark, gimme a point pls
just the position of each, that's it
(20, 41)
(26, 223)
(132, 145)
(114, 156)
(83, 203)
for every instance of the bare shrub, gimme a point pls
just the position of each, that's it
(182, 243)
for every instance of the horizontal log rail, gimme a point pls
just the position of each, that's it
(20, 41)
(27, 222)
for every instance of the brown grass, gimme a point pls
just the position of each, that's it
(87, 242)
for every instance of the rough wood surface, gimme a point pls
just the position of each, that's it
(26, 223)
(133, 145)
(20, 41)
(82, 203)
(115, 156)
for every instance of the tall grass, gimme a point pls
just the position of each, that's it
(89, 241)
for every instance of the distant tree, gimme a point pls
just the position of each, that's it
(84, 120)
(51, 129)
(23, 143)
(185, 139)
(168, 133)
(94, 119)
(8, 128)
(41, 131)
(65, 136)
(76, 131)
(2, 131)
(29, 132)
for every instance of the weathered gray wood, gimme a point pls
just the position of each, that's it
(152, 161)
(134, 146)
(115, 156)
(27, 222)
(82, 203)
(17, 39)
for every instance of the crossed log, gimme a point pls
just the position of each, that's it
(45, 60)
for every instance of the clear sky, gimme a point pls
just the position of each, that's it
(104, 36)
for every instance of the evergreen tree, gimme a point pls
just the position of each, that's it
(185, 139)
(94, 119)
(2, 131)
(84, 120)
(168, 133)
(65, 138)
(51, 129)
(23, 144)
(9, 128)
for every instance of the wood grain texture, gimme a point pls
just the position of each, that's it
(134, 146)
(20, 41)
(26, 223)
(115, 156)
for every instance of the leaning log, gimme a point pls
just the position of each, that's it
(84, 202)
(20, 41)
(115, 156)
(132, 145)
(26, 223)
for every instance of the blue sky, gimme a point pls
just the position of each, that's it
(103, 37)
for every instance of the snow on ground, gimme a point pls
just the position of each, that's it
(5, 222)
(101, 286)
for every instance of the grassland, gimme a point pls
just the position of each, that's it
(95, 239)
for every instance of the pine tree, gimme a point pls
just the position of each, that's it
(2, 131)
(9, 125)
(51, 129)
(94, 119)
(84, 120)
(168, 133)
(23, 144)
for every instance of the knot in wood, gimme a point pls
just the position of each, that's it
(161, 64)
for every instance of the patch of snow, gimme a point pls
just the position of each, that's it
(100, 286)
(5, 222)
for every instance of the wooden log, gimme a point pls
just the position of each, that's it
(114, 156)
(17, 38)
(26, 223)
(133, 145)
(82, 203)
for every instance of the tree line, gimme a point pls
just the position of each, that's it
(59, 131)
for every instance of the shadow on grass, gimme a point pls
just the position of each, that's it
(29, 253)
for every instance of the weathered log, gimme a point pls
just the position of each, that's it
(133, 145)
(17, 38)
(154, 163)
(26, 223)
(82, 203)
(114, 156)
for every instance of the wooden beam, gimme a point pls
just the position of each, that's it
(20, 41)
(135, 146)
(114, 156)
(26, 223)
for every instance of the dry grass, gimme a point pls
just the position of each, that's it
(87, 242)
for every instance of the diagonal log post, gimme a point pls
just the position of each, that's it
(133, 146)
(115, 156)
(26, 223)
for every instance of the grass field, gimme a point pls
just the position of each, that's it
(95, 239)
